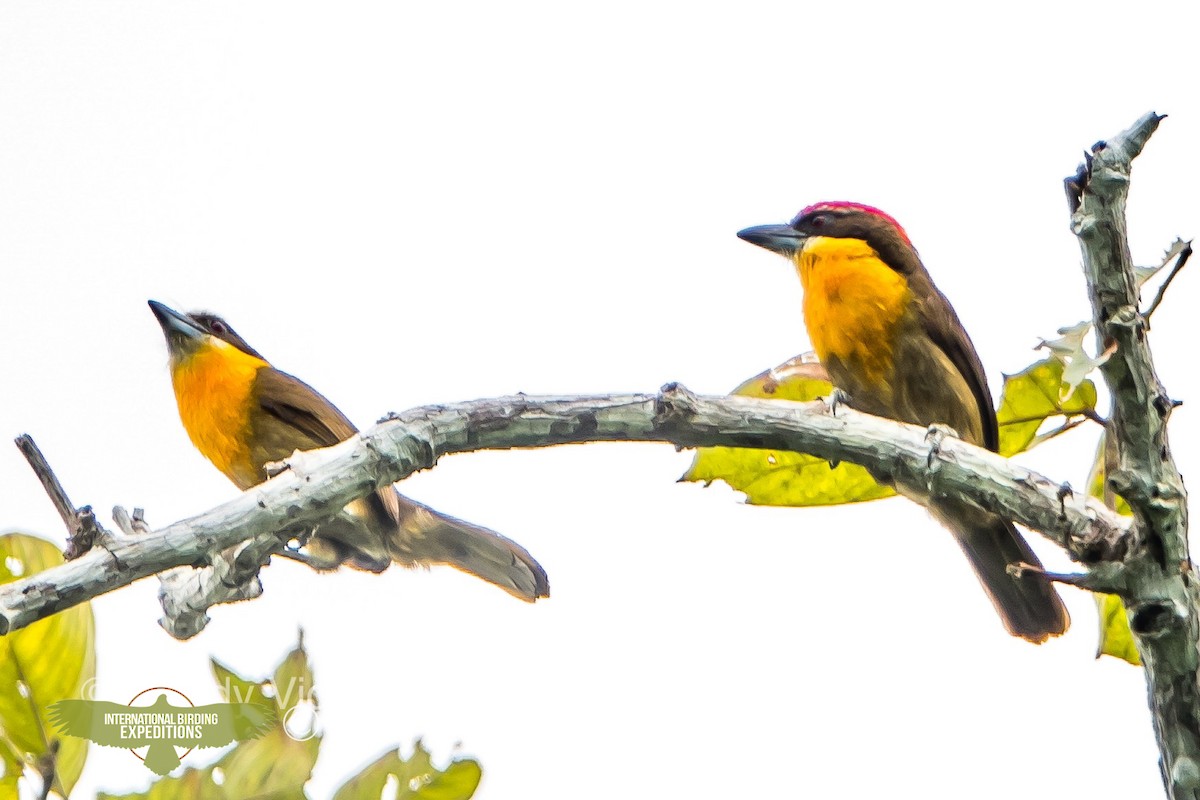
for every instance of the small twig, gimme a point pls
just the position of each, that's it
(47, 767)
(1182, 259)
(1041, 417)
(130, 525)
(1075, 423)
(1106, 578)
(82, 527)
(50, 482)
(1042, 438)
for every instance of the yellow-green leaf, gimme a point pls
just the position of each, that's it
(293, 681)
(778, 477)
(193, 784)
(53, 659)
(1116, 638)
(1033, 396)
(236, 689)
(278, 762)
(415, 778)
(1097, 480)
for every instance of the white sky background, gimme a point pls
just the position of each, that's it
(407, 204)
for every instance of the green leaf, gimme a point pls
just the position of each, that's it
(53, 659)
(8, 783)
(1034, 396)
(278, 763)
(1116, 637)
(415, 778)
(293, 681)
(193, 784)
(1098, 480)
(782, 478)
(236, 689)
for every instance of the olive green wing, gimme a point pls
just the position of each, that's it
(945, 329)
(297, 416)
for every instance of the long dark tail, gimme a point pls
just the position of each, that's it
(1028, 606)
(388, 527)
(425, 536)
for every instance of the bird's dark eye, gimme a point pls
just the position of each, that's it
(818, 221)
(216, 326)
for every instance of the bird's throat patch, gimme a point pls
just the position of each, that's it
(213, 388)
(853, 305)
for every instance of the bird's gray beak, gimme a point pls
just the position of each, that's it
(782, 239)
(176, 327)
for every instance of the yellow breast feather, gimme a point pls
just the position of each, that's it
(213, 388)
(853, 303)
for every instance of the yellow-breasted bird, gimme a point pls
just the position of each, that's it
(893, 343)
(241, 413)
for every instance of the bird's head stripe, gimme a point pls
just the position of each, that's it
(845, 205)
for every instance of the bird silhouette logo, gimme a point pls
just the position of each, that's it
(161, 727)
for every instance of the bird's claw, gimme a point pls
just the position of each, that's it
(273, 468)
(303, 558)
(1064, 491)
(837, 398)
(935, 434)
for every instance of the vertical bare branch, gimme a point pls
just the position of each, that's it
(1161, 598)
